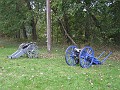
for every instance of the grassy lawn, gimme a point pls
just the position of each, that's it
(50, 72)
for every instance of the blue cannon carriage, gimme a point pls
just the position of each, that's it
(85, 56)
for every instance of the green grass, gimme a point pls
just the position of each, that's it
(50, 72)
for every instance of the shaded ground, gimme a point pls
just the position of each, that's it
(97, 49)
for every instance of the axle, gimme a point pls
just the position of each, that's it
(85, 57)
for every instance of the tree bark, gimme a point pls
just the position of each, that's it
(48, 26)
(66, 33)
(66, 26)
(63, 28)
(32, 23)
(18, 34)
(24, 32)
(65, 20)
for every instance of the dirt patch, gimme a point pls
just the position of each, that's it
(47, 55)
(115, 56)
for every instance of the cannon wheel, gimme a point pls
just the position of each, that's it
(86, 57)
(70, 56)
(33, 52)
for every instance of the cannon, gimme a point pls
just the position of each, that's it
(85, 56)
(29, 49)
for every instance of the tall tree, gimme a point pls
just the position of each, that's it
(32, 20)
(48, 25)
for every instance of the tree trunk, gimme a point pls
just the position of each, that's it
(65, 20)
(62, 31)
(18, 34)
(33, 23)
(87, 32)
(24, 33)
(66, 33)
(87, 25)
(48, 25)
(66, 26)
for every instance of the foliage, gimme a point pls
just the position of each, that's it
(12, 16)
(86, 21)
(89, 19)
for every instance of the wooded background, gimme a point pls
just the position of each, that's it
(72, 21)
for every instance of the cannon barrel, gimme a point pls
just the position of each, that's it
(30, 49)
